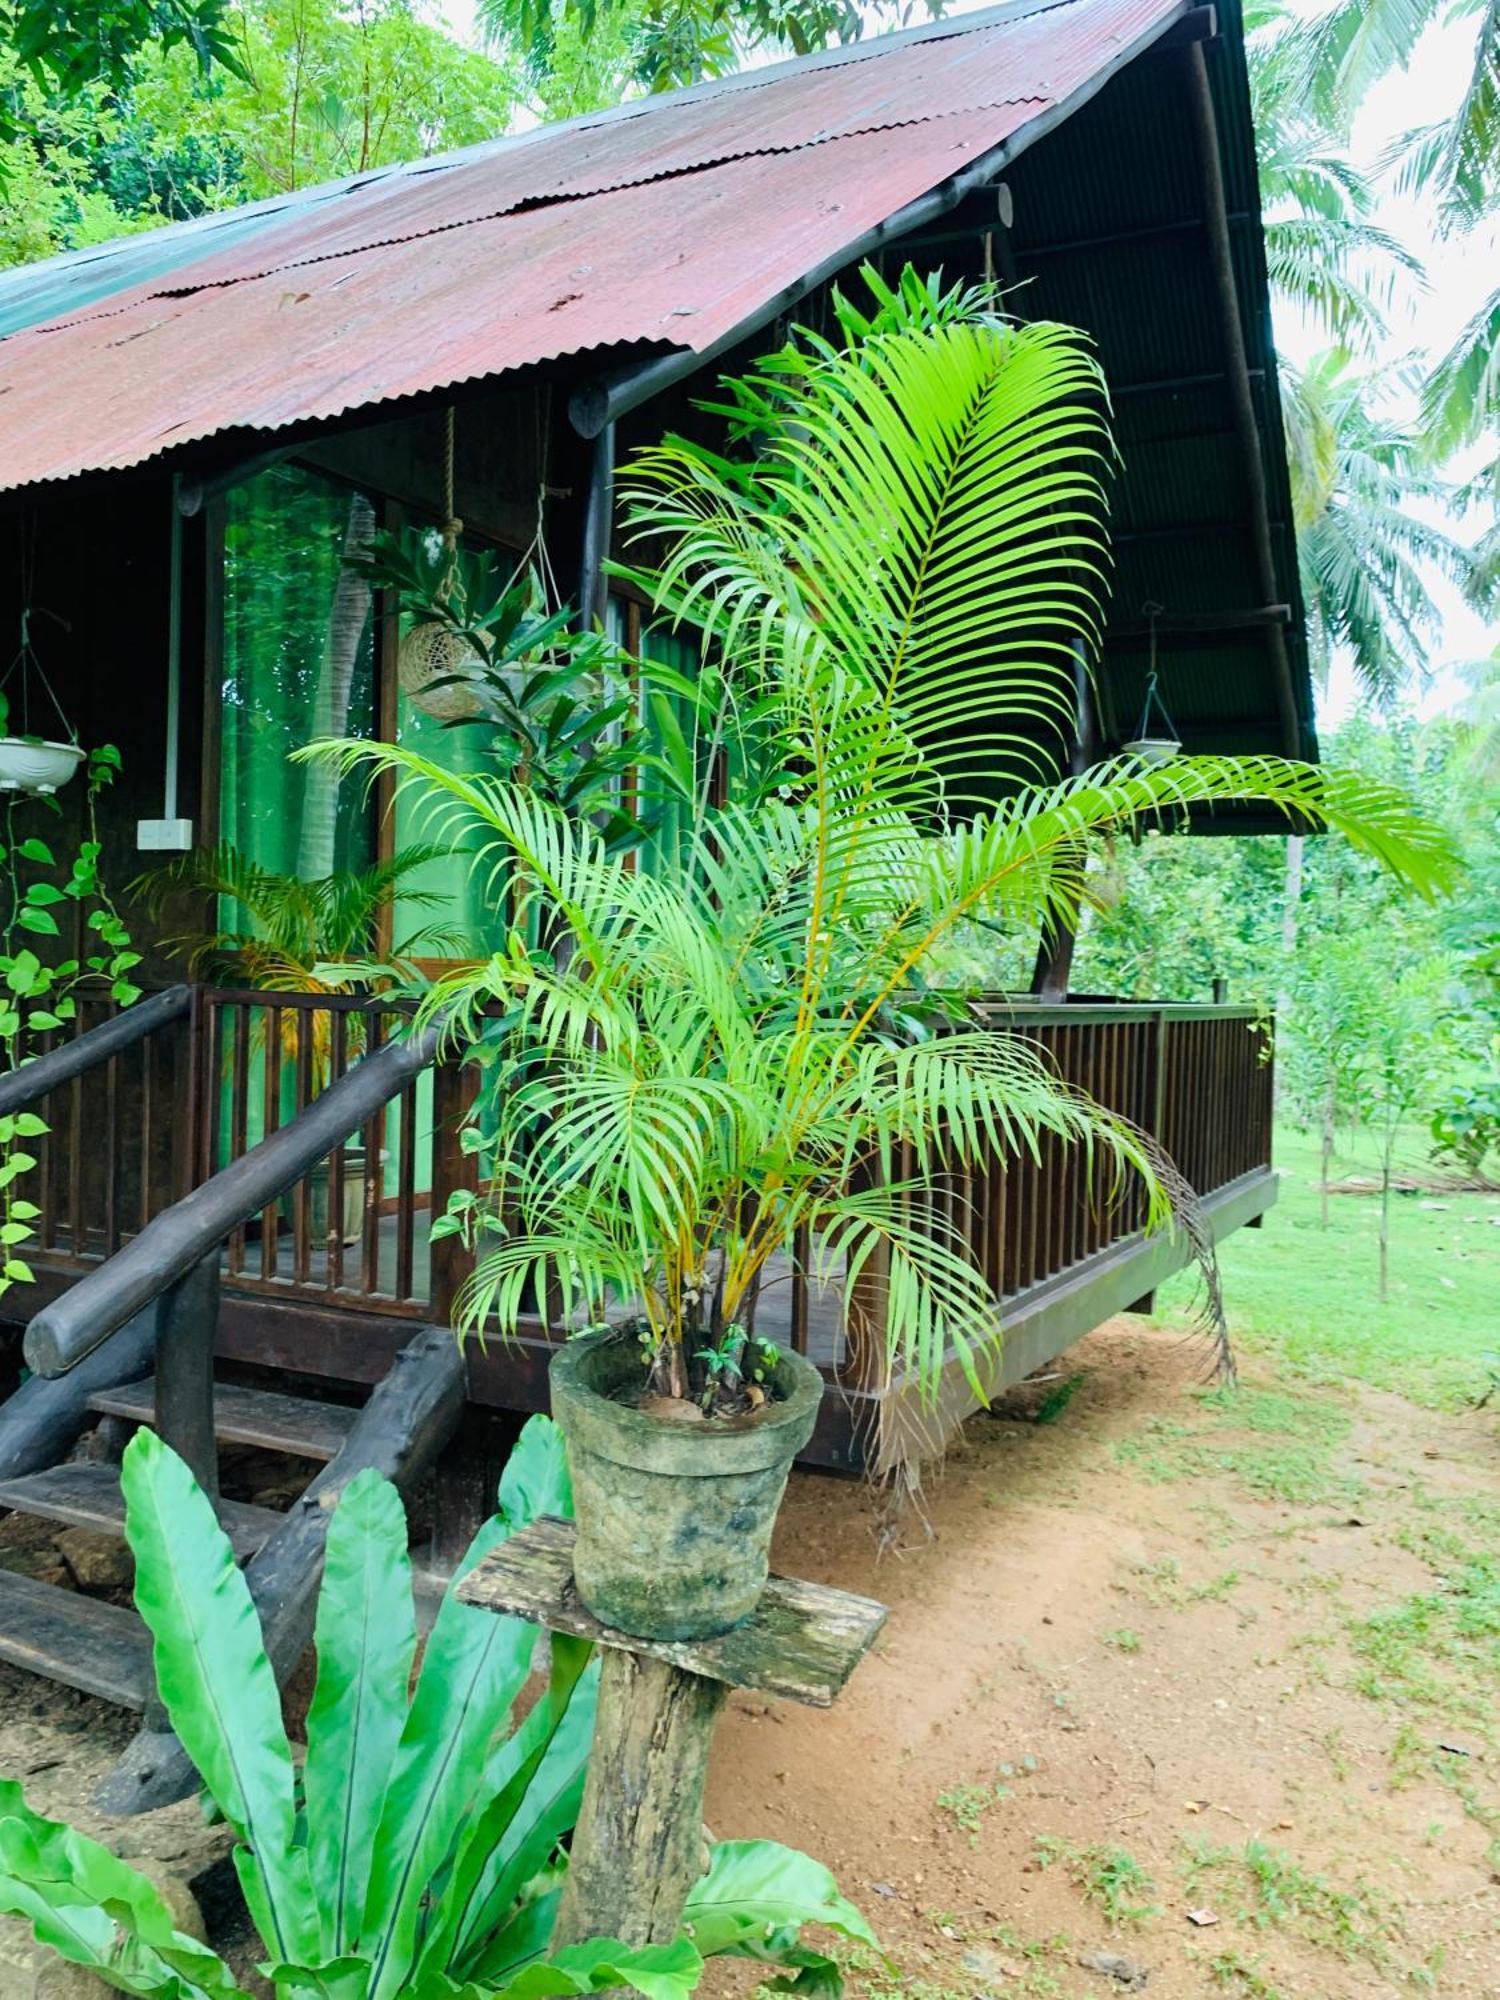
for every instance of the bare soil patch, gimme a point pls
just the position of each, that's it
(1160, 1627)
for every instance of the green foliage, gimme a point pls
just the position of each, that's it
(68, 48)
(732, 1050)
(308, 92)
(1279, 1893)
(1108, 1877)
(1466, 1124)
(1292, 1300)
(1366, 550)
(285, 934)
(662, 46)
(39, 992)
(418, 1855)
(564, 706)
(1275, 1445)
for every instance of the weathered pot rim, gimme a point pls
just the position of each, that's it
(41, 743)
(687, 1451)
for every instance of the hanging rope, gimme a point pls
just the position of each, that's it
(452, 585)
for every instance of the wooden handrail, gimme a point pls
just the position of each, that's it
(34, 1079)
(174, 1243)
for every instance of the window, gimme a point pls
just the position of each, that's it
(299, 663)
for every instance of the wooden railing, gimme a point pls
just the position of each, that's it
(1196, 1079)
(355, 1232)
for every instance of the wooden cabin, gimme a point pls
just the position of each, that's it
(195, 422)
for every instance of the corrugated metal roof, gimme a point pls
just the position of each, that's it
(669, 223)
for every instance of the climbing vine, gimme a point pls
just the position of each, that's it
(39, 992)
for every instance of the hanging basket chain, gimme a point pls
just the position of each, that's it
(1153, 690)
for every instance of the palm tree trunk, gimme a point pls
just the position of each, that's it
(348, 616)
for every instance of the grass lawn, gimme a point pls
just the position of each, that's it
(1306, 1296)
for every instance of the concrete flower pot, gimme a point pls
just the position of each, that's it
(674, 1520)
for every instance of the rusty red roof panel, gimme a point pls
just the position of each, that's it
(670, 226)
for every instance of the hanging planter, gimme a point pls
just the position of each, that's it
(433, 660)
(29, 763)
(1155, 740)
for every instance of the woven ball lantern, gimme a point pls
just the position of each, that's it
(431, 652)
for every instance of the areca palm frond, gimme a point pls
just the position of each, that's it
(971, 433)
(720, 1067)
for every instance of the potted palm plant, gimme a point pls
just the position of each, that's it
(280, 934)
(710, 1063)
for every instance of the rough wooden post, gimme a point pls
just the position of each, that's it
(638, 1846)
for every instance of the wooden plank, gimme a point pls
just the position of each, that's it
(88, 1496)
(81, 1641)
(261, 1417)
(803, 1642)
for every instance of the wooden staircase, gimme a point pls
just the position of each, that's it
(102, 1648)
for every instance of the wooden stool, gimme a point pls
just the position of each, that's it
(638, 1847)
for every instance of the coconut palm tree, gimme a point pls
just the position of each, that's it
(898, 568)
(1366, 553)
(1325, 254)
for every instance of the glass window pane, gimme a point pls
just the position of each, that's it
(299, 663)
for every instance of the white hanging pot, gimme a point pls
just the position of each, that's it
(1154, 749)
(431, 653)
(28, 764)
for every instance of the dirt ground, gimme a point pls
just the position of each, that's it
(1162, 1652)
(1154, 1627)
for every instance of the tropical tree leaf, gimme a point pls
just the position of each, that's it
(755, 1889)
(217, 1685)
(366, 1640)
(94, 1911)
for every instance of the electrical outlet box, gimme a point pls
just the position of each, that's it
(163, 836)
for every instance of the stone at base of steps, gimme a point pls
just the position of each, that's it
(59, 1744)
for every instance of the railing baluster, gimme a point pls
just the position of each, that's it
(239, 1108)
(800, 1300)
(302, 1071)
(270, 1119)
(406, 1183)
(338, 1063)
(374, 1134)
(112, 1152)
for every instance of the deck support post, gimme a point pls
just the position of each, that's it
(186, 1326)
(638, 1847)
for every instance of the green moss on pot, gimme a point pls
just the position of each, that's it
(674, 1520)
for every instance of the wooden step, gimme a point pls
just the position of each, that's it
(82, 1641)
(88, 1496)
(292, 1424)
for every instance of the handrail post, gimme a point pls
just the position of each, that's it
(186, 1327)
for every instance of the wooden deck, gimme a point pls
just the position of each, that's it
(1061, 1245)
